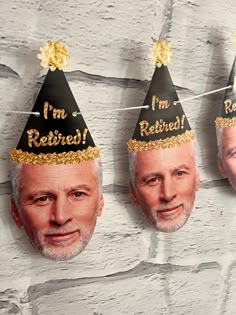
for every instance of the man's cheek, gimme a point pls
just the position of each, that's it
(34, 222)
(149, 199)
(231, 165)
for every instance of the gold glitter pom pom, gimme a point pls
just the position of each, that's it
(135, 145)
(53, 55)
(234, 39)
(160, 53)
(71, 157)
(221, 122)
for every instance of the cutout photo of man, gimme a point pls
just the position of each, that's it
(226, 132)
(58, 205)
(56, 172)
(163, 173)
(163, 183)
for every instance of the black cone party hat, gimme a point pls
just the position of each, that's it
(164, 124)
(59, 135)
(227, 114)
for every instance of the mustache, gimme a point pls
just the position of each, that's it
(168, 206)
(63, 230)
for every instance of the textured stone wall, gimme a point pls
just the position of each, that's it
(127, 267)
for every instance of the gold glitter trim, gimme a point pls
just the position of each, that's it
(160, 53)
(53, 55)
(71, 157)
(135, 145)
(221, 122)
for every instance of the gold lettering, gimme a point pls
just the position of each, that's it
(177, 123)
(50, 138)
(166, 127)
(56, 112)
(53, 138)
(63, 139)
(171, 126)
(56, 139)
(160, 126)
(46, 107)
(163, 104)
(77, 138)
(229, 106)
(69, 140)
(59, 113)
(143, 128)
(157, 126)
(152, 130)
(43, 141)
(154, 101)
(33, 135)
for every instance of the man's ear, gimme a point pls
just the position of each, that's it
(15, 213)
(133, 194)
(221, 166)
(100, 206)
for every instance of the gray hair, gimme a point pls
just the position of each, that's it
(131, 158)
(15, 178)
(219, 136)
(98, 163)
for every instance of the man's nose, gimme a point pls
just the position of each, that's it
(61, 213)
(168, 189)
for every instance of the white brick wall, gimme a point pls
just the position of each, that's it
(127, 267)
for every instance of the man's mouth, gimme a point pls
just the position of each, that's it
(63, 237)
(170, 211)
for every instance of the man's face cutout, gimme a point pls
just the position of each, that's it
(58, 207)
(165, 184)
(227, 154)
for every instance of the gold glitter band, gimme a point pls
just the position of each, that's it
(135, 145)
(221, 122)
(71, 157)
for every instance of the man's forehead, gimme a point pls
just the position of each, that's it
(82, 171)
(57, 167)
(165, 160)
(185, 150)
(228, 137)
(229, 132)
(57, 177)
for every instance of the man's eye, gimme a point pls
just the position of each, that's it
(233, 154)
(180, 173)
(78, 194)
(152, 180)
(42, 199)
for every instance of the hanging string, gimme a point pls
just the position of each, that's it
(203, 94)
(74, 114)
(37, 114)
(114, 110)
